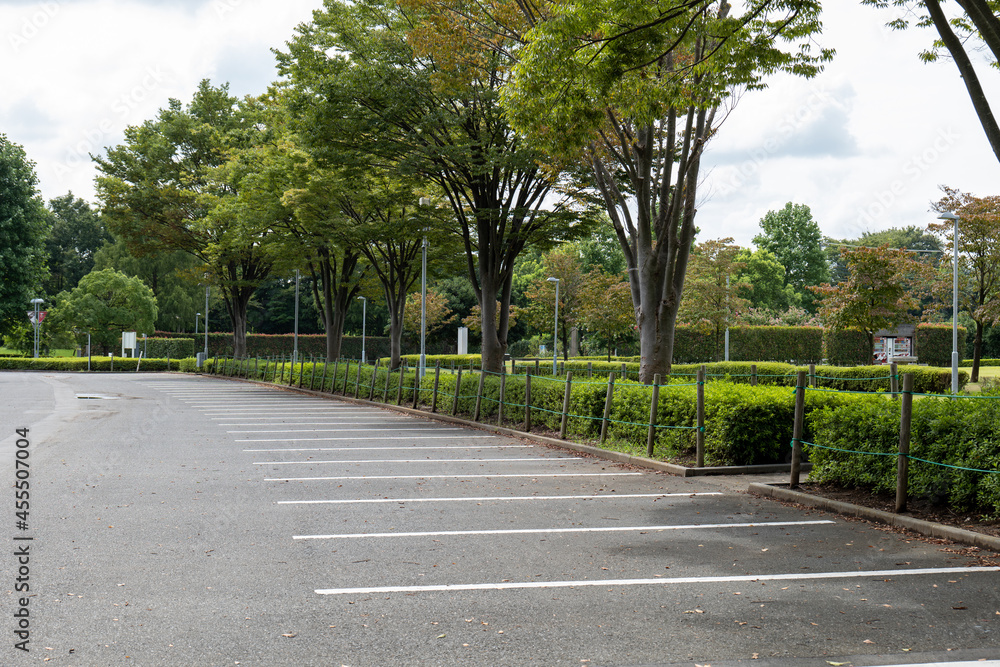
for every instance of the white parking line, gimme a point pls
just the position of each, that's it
(383, 437)
(488, 498)
(371, 427)
(255, 411)
(549, 474)
(304, 463)
(369, 449)
(653, 582)
(298, 423)
(548, 531)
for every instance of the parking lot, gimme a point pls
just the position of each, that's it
(192, 520)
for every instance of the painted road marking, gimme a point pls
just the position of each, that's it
(549, 474)
(654, 582)
(371, 427)
(303, 463)
(488, 498)
(548, 531)
(293, 423)
(367, 449)
(384, 437)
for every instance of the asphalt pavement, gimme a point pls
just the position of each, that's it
(186, 520)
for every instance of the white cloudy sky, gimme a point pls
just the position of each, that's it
(865, 145)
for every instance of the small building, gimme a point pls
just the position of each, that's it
(899, 345)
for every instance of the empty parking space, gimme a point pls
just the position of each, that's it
(373, 537)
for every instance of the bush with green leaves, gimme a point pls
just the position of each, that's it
(857, 445)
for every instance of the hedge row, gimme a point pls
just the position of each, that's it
(962, 433)
(926, 380)
(744, 425)
(97, 364)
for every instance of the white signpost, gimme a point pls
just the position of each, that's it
(128, 343)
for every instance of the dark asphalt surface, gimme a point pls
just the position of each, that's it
(372, 538)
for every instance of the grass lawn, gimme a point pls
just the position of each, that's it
(992, 372)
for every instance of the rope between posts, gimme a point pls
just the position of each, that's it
(896, 454)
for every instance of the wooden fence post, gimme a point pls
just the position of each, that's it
(536, 366)
(753, 375)
(388, 378)
(894, 380)
(458, 388)
(437, 379)
(312, 378)
(347, 375)
(812, 376)
(653, 404)
(624, 371)
(607, 406)
(357, 380)
(699, 436)
(399, 387)
(590, 369)
(527, 402)
(565, 412)
(371, 390)
(479, 395)
(416, 388)
(800, 410)
(333, 381)
(903, 462)
(503, 388)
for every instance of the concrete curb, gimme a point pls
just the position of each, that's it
(919, 526)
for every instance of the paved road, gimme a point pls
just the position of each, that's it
(181, 520)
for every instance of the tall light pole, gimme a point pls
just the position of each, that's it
(364, 316)
(36, 322)
(207, 288)
(555, 329)
(295, 347)
(948, 215)
(424, 201)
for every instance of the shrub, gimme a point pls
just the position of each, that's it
(846, 347)
(933, 344)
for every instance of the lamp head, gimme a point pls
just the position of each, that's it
(949, 216)
(552, 280)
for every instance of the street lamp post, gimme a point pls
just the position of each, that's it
(196, 316)
(364, 316)
(422, 366)
(37, 324)
(206, 322)
(555, 330)
(948, 215)
(295, 347)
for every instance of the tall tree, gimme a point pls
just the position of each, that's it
(105, 304)
(185, 181)
(606, 310)
(979, 260)
(794, 238)
(632, 89)
(925, 246)
(77, 234)
(965, 32)
(22, 235)
(712, 294)
(883, 286)
(764, 278)
(389, 83)
(562, 263)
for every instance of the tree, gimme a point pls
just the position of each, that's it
(173, 276)
(764, 279)
(439, 315)
(632, 90)
(606, 308)
(77, 234)
(378, 81)
(793, 237)
(925, 246)
(979, 260)
(187, 181)
(883, 285)
(22, 235)
(562, 263)
(976, 24)
(105, 304)
(711, 296)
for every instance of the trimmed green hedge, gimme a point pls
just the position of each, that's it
(97, 364)
(846, 347)
(933, 344)
(953, 432)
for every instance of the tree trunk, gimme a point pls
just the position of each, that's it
(977, 352)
